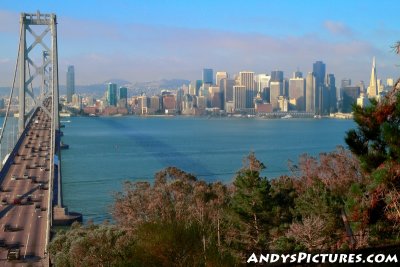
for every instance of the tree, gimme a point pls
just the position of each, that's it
(250, 208)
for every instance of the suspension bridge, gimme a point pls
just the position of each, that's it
(30, 176)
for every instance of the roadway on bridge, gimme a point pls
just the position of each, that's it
(24, 196)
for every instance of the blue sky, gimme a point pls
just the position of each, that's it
(150, 40)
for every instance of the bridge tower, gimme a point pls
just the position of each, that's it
(43, 64)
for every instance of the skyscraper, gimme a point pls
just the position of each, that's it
(246, 79)
(331, 89)
(310, 92)
(227, 89)
(319, 74)
(70, 83)
(219, 76)
(297, 88)
(276, 76)
(112, 94)
(275, 92)
(123, 97)
(239, 97)
(373, 84)
(208, 76)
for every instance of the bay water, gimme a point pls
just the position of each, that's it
(106, 151)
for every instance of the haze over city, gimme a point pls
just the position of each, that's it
(151, 40)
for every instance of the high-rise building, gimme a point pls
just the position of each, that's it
(350, 95)
(219, 76)
(246, 79)
(195, 86)
(276, 76)
(239, 97)
(208, 76)
(70, 83)
(297, 74)
(297, 91)
(373, 83)
(263, 82)
(227, 89)
(112, 94)
(345, 82)
(310, 92)
(319, 74)
(331, 89)
(275, 91)
(263, 89)
(122, 97)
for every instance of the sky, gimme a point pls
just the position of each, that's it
(146, 40)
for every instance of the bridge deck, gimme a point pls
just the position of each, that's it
(24, 196)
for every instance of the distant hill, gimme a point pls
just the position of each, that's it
(98, 90)
(162, 84)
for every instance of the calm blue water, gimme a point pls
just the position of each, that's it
(104, 152)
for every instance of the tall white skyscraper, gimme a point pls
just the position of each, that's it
(373, 83)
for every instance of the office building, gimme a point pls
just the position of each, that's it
(123, 93)
(227, 88)
(277, 76)
(310, 92)
(219, 76)
(112, 94)
(246, 79)
(350, 95)
(208, 76)
(297, 74)
(297, 91)
(70, 83)
(373, 83)
(239, 97)
(194, 87)
(319, 74)
(332, 95)
(275, 88)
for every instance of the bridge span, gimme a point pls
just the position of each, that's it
(30, 177)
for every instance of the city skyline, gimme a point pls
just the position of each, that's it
(153, 40)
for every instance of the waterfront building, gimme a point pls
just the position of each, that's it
(112, 94)
(310, 92)
(373, 83)
(155, 103)
(201, 102)
(169, 102)
(239, 97)
(208, 76)
(77, 101)
(283, 104)
(70, 83)
(297, 91)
